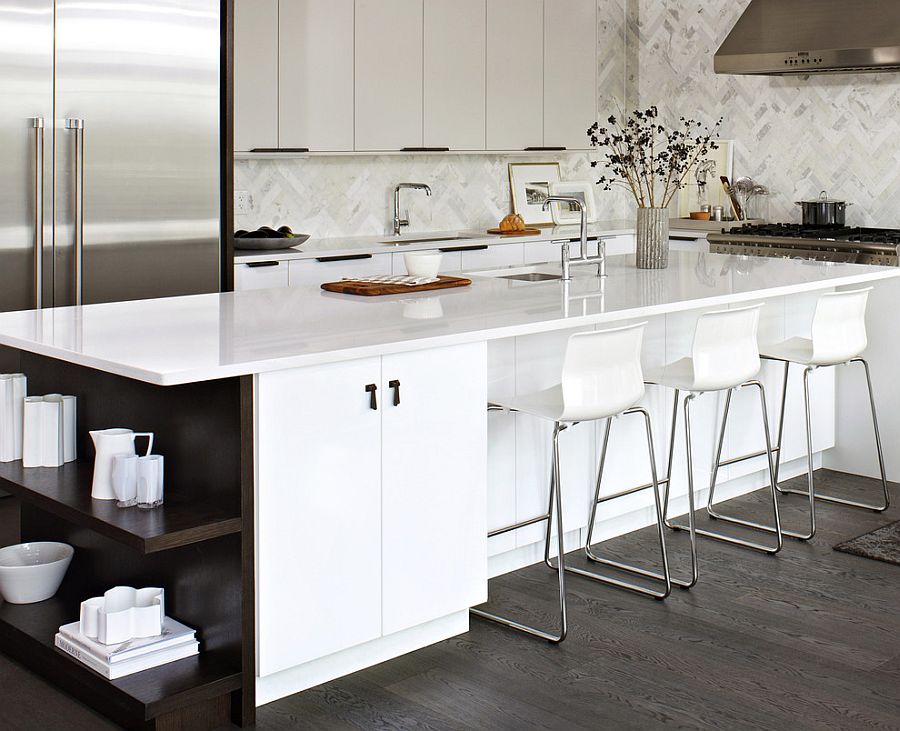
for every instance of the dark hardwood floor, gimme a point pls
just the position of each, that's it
(809, 639)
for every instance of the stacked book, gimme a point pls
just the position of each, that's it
(176, 642)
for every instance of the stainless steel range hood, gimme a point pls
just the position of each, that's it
(777, 37)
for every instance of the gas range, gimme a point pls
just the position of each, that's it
(844, 244)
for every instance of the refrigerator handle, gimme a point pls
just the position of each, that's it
(77, 126)
(38, 125)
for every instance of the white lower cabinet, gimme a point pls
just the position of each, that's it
(485, 257)
(333, 269)
(369, 520)
(260, 275)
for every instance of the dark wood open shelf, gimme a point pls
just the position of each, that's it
(27, 633)
(66, 492)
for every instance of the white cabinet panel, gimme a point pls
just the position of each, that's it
(316, 74)
(515, 74)
(388, 74)
(313, 272)
(315, 596)
(619, 245)
(688, 242)
(255, 74)
(570, 72)
(260, 275)
(434, 477)
(450, 262)
(455, 63)
(498, 255)
(551, 251)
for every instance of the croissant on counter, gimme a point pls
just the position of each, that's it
(513, 222)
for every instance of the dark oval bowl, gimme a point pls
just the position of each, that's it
(270, 244)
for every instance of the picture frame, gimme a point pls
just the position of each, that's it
(529, 187)
(564, 215)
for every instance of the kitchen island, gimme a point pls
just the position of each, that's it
(331, 461)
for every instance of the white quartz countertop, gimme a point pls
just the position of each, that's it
(358, 245)
(186, 339)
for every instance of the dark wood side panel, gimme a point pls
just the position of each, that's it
(226, 131)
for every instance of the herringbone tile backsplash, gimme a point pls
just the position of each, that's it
(796, 135)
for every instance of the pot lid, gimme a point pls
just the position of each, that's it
(823, 198)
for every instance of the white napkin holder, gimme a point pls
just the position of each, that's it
(123, 614)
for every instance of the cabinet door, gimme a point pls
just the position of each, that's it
(515, 74)
(433, 489)
(455, 74)
(318, 501)
(388, 74)
(450, 262)
(316, 74)
(255, 74)
(551, 251)
(570, 72)
(260, 275)
(313, 272)
(497, 255)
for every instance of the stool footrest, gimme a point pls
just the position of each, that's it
(762, 548)
(759, 526)
(834, 499)
(516, 526)
(629, 491)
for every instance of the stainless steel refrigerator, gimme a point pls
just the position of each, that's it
(109, 150)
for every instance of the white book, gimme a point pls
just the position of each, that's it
(128, 667)
(173, 633)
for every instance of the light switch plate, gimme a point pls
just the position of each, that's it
(242, 202)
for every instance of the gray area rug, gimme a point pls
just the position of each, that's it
(882, 544)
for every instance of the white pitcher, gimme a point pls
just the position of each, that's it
(107, 444)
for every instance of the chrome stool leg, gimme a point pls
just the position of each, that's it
(654, 484)
(886, 497)
(753, 545)
(555, 505)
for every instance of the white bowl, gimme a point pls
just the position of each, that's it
(422, 264)
(32, 572)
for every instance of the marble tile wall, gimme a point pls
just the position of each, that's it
(797, 135)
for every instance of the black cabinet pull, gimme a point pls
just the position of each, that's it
(349, 257)
(268, 150)
(684, 238)
(396, 386)
(545, 148)
(424, 149)
(464, 248)
(371, 389)
(258, 264)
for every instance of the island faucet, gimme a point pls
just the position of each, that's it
(399, 222)
(566, 259)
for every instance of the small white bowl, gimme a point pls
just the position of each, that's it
(32, 572)
(422, 263)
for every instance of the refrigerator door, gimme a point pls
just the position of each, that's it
(137, 149)
(26, 151)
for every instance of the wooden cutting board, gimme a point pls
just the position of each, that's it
(523, 232)
(375, 289)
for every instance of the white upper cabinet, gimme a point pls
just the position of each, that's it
(389, 65)
(570, 72)
(255, 74)
(316, 74)
(455, 61)
(515, 74)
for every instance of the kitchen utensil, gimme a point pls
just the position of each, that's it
(423, 264)
(254, 244)
(150, 481)
(124, 479)
(374, 289)
(107, 444)
(718, 213)
(735, 204)
(824, 211)
(32, 572)
(700, 215)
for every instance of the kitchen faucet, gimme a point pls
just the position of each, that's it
(601, 244)
(399, 222)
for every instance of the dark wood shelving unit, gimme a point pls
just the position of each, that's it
(66, 492)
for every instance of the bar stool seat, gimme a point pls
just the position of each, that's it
(795, 350)
(601, 378)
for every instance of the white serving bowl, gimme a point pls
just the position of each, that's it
(422, 263)
(32, 572)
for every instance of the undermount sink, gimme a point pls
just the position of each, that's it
(428, 240)
(532, 277)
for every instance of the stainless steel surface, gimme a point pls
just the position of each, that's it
(777, 37)
(76, 127)
(824, 211)
(145, 79)
(400, 222)
(38, 123)
(26, 94)
(532, 277)
(565, 256)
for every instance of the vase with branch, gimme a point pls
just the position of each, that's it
(652, 162)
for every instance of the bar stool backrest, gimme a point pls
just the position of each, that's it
(725, 351)
(839, 326)
(602, 373)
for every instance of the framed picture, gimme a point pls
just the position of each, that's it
(720, 162)
(568, 214)
(529, 187)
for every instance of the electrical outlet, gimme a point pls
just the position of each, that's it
(242, 202)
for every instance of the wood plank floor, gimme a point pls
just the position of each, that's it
(809, 639)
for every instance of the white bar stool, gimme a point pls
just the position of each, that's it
(601, 378)
(724, 357)
(838, 336)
